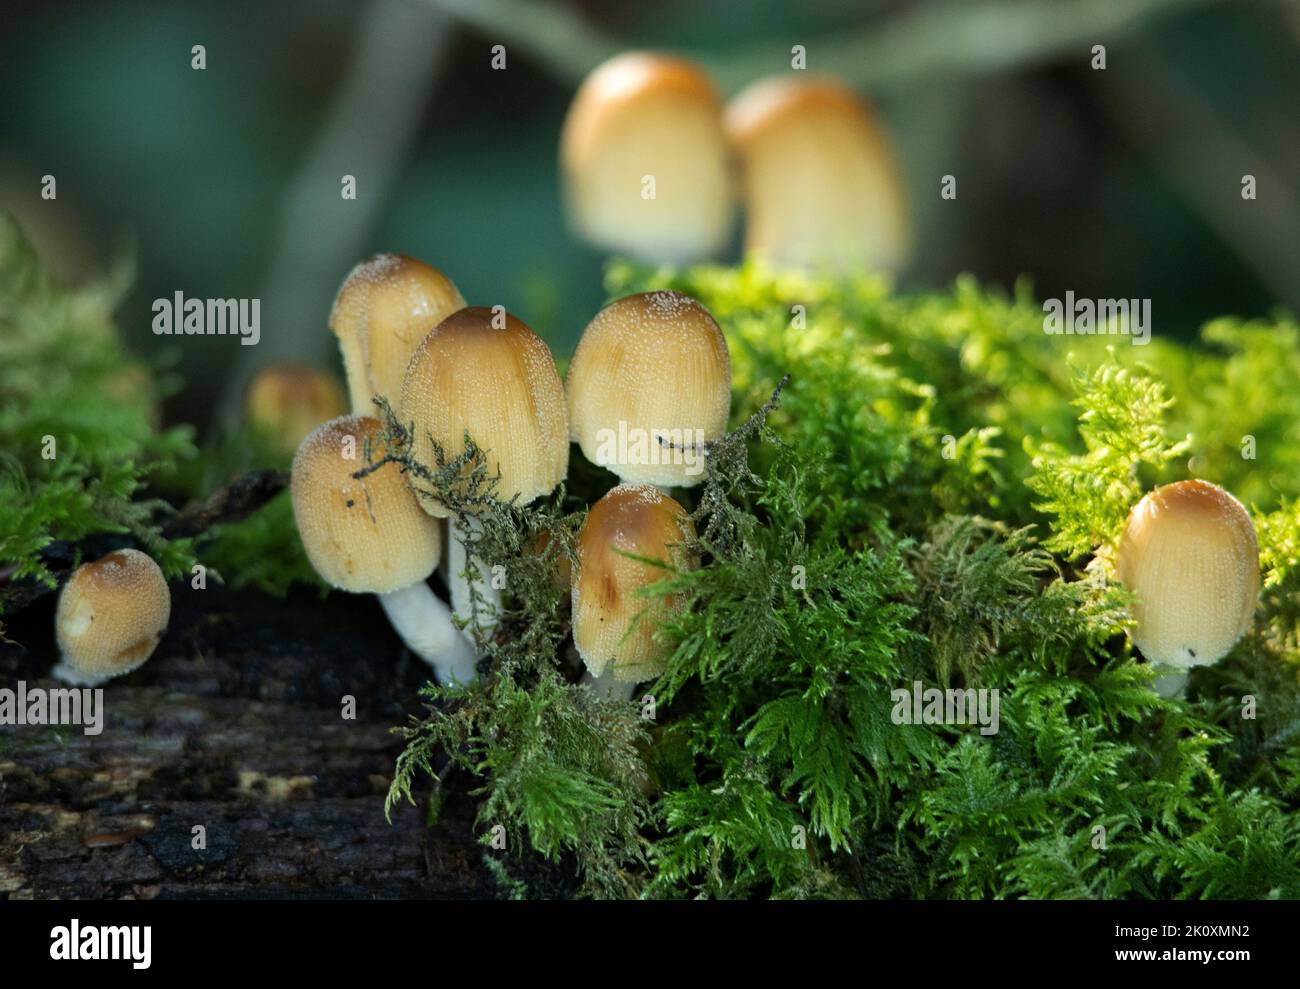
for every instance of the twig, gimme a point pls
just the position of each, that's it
(236, 500)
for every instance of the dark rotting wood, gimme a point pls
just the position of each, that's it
(235, 725)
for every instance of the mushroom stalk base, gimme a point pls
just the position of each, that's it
(65, 672)
(606, 686)
(462, 589)
(424, 623)
(1171, 682)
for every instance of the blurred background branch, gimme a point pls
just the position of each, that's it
(367, 133)
(1205, 159)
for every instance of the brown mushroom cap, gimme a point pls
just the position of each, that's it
(500, 385)
(111, 615)
(645, 114)
(1188, 552)
(287, 401)
(636, 519)
(657, 364)
(383, 310)
(361, 535)
(819, 180)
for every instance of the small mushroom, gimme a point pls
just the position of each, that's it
(287, 401)
(383, 310)
(819, 181)
(614, 621)
(484, 372)
(111, 615)
(649, 382)
(368, 535)
(1189, 555)
(645, 161)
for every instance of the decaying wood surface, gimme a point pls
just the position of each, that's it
(236, 725)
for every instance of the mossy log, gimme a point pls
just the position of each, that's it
(236, 725)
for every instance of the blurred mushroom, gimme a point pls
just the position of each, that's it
(614, 622)
(645, 161)
(287, 401)
(649, 382)
(368, 535)
(499, 385)
(819, 181)
(1189, 555)
(383, 310)
(111, 615)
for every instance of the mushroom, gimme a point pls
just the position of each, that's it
(499, 385)
(650, 383)
(287, 401)
(383, 310)
(368, 535)
(614, 622)
(1189, 555)
(819, 182)
(111, 615)
(645, 161)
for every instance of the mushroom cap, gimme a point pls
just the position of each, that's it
(361, 535)
(643, 114)
(607, 598)
(111, 615)
(1188, 552)
(819, 180)
(648, 366)
(287, 401)
(385, 307)
(500, 385)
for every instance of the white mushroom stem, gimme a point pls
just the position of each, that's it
(462, 588)
(1170, 683)
(424, 623)
(65, 672)
(606, 686)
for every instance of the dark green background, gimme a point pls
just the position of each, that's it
(1123, 183)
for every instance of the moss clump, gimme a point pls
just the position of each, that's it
(925, 504)
(84, 464)
(80, 449)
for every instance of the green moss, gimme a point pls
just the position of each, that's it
(83, 461)
(924, 505)
(80, 454)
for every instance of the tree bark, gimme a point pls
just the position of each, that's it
(236, 725)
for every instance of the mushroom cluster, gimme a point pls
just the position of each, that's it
(654, 165)
(451, 371)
